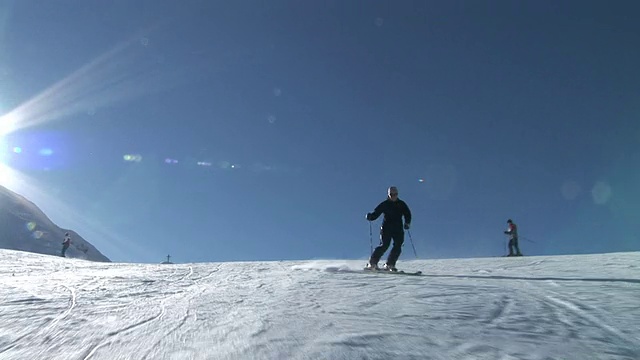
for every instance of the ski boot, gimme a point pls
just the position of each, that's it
(371, 267)
(388, 267)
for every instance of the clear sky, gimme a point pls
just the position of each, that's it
(253, 130)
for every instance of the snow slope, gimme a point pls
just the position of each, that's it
(563, 307)
(24, 227)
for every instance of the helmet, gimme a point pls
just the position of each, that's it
(509, 221)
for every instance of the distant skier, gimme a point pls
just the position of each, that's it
(65, 244)
(512, 231)
(393, 209)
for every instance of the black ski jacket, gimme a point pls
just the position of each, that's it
(393, 212)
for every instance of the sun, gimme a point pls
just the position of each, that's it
(7, 125)
(7, 176)
(5, 171)
(4, 148)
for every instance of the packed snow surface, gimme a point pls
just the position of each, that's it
(556, 307)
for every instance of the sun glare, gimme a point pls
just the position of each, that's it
(6, 173)
(7, 125)
(7, 176)
(4, 149)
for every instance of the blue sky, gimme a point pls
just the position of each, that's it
(245, 130)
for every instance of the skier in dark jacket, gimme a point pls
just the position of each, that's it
(512, 231)
(392, 228)
(65, 244)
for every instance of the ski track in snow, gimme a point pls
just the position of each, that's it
(564, 307)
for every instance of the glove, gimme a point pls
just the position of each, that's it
(506, 232)
(368, 216)
(407, 226)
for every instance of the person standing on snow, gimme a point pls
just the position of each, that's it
(393, 209)
(512, 231)
(65, 244)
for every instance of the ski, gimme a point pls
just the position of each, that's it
(399, 272)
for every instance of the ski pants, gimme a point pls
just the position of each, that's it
(513, 243)
(64, 250)
(385, 241)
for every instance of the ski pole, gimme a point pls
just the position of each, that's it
(413, 246)
(370, 238)
(527, 239)
(506, 246)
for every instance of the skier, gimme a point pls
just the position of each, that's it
(65, 244)
(393, 209)
(512, 231)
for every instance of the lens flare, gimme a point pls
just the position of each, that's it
(31, 226)
(132, 157)
(570, 190)
(601, 193)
